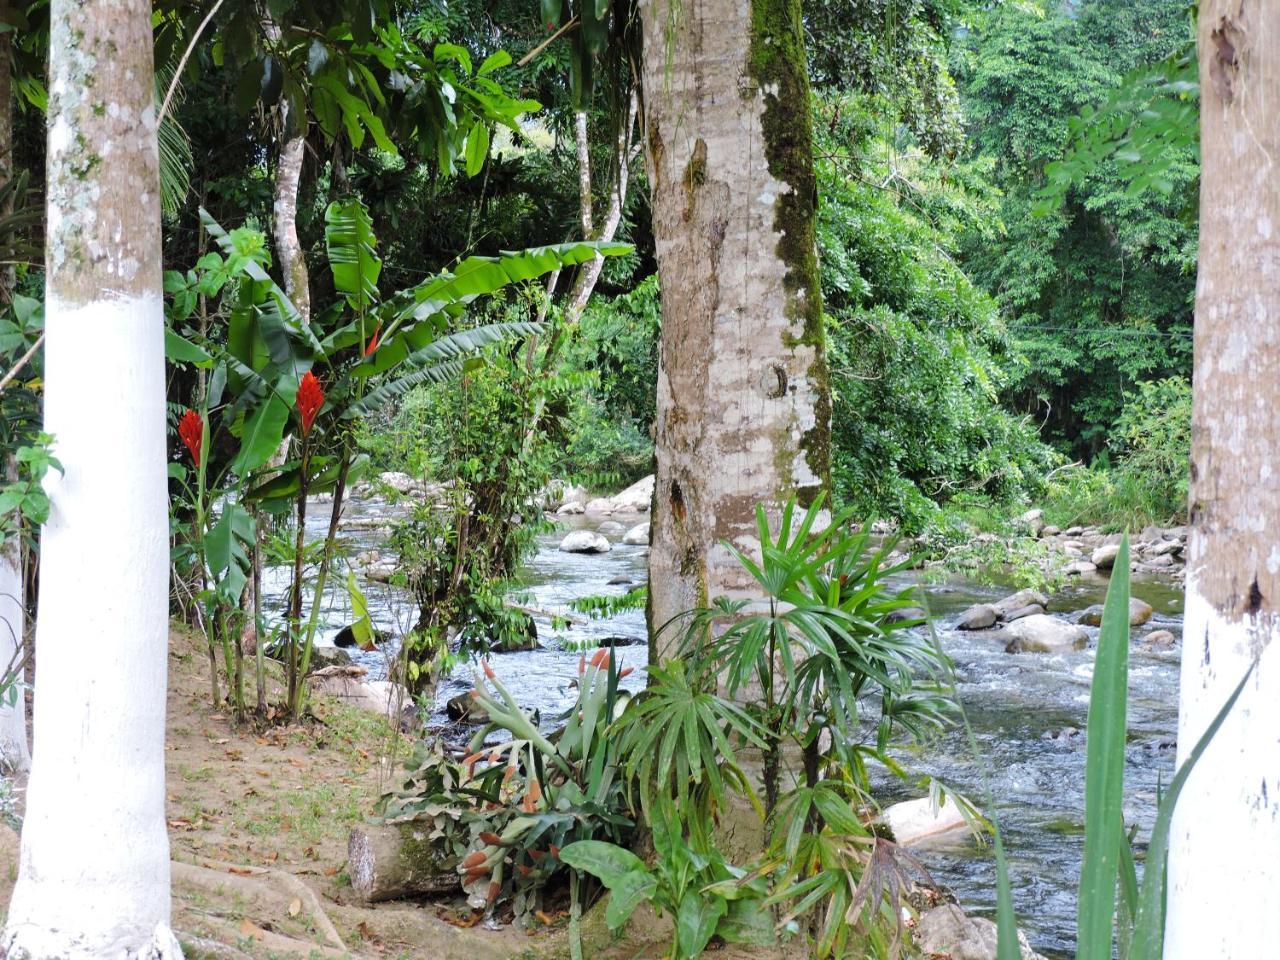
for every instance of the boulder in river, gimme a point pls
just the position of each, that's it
(584, 541)
(1044, 634)
(1104, 557)
(611, 528)
(903, 614)
(915, 820)
(1016, 601)
(399, 482)
(946, 931)
(1139, 613)
(637, 498)
(600, 505)
(464, 707)
(1030, 610)
(1160, 639)
(637, 536)
(978, 617)
(1079, 568)
(324, 656)
(571, 509)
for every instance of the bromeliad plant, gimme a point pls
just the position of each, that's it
(504, 814)
(275, 373)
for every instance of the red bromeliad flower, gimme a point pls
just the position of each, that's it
(191, 430)
(372, 345)
(310, 399)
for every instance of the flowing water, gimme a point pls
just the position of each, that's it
(1027, 711)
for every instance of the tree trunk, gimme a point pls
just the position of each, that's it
(293, 263)
(1224, 862)
(743, 405)
(98, 885)
(390, 861)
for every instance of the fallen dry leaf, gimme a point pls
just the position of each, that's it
(331, 871)
(295, 907)
(240, 871)
(250, 929)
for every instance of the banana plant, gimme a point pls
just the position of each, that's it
(275, 373)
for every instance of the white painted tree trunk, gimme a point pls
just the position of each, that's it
(743, 404)
(94, 870)
(1224, 860)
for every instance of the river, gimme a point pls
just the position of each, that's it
(1025, 710)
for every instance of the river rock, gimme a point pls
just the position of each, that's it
(1160, 639)
(946, 931)
(584, 541)
(1016, 601)
(1139, 613)
(600, 505)
(381, 571)
(1164, 547)
(1079, 568)
(637, 498)
(1030, 610)
(611, 528)
(1044, 634)
(324, 656)
(1104, 557)
(397, 481)
(464, 707)
(1033, 522)
(347, 684)
(978, 617)
(1050, 531)
(571, 509)
(903, 614)
(913, 821)
(638, 535)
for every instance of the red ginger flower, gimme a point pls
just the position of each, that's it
(310, 399)
(372, 345)
(191, 430)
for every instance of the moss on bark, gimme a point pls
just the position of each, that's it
(779, 70)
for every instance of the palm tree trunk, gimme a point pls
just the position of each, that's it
(95, 882)
(743, 403)
(1224, 864)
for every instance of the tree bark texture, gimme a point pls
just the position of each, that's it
(1224, 862)
(98, 885)
(293, 262)
(743, 407)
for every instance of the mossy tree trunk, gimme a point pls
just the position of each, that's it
(1224, 862)
(93, 878)
(743, 406)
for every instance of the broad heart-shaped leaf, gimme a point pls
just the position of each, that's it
(262, 435)
(1104, 771)
(607, 862)
(353, 258)
(631, 890)
(747, 921)
(696, 921)
(362, 628)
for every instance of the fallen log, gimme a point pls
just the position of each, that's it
(391, 861)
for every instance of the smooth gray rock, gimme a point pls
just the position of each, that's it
(584, 541)
(1016, 601)
(611, 528)
(1030, 610)
(1104, 557)
(637, 536)
(1044, 634)
(978, 617)
(945, 931)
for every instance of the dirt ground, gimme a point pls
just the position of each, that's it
(259, 821)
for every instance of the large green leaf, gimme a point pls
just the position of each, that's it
(352, 249)
(262, 435)
(362, 626)
(226, 549)
(607, 862)
(183, 350)
(632, 889)
(1104, 771)
(474, 277)
(696, 921)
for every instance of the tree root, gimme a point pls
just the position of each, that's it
(212, 873)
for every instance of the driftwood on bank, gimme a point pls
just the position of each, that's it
(390, 861)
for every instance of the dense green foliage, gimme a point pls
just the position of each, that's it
(1099, 291)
